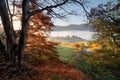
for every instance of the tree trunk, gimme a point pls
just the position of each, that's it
(24, 31)
(6, 22)
(8, 29)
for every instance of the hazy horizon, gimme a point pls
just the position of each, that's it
(87, 35)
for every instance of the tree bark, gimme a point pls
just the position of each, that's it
(6, 22)
(8, 29)
(24, 31)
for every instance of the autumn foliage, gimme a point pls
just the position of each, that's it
(40, 26)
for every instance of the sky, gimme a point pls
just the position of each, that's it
(74, 19)
(81, 19)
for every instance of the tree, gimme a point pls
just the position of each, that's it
(105, 20)
(27, 9)
(39, 25)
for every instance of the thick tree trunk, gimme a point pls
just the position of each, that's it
(6, 22)
(8, 29)
(24, 31)
(11, 41)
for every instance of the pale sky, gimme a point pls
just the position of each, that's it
(79, 19)
(74, 19)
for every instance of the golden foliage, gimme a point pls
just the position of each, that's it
(37, 41)
(95, 46)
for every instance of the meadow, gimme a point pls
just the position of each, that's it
(98, 64)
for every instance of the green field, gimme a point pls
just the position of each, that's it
(66, 54)
(89, 63)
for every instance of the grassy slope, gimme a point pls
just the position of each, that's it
(66, 54)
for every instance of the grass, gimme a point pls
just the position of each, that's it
(66, 54)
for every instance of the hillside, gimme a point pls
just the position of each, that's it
(83, 31)
(70, 39)
(51, 70)
(82, 27)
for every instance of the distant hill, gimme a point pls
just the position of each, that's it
(69, 39)
(82, 27)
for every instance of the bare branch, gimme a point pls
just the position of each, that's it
(63, 8)
(46, 8)
(11, 20)
(87, 14)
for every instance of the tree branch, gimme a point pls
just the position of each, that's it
(46, 8)
(87, 14)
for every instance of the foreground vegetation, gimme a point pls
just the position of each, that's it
(39, 68)
(100, 64)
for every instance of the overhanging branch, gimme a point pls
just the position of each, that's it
(87, 14)
(46, 8)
